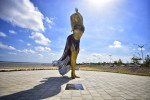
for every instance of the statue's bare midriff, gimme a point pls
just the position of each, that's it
(77, 34)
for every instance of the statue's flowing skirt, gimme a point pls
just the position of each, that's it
(63, 66)
(64, 63)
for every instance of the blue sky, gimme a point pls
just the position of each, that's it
(36, 30)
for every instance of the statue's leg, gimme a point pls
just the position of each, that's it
(76, 55)
(73, 61)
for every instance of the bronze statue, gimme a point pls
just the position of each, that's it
(68, 59)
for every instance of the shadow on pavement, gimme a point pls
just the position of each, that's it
(48, 88)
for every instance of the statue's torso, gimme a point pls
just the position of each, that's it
(77, 34)
(77, 25)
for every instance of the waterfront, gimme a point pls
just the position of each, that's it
(23, 64)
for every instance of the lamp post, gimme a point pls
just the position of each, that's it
(138, 54)
(99, 60)
(141, 49)
(110, 58)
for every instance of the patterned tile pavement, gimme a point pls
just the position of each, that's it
(49, 85)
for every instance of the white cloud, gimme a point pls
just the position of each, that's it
(12, 53)
(40, 38)
(21, 41)
(133, 49)
(116, 44)
(22, 13)
(27, 51)
(53, 54)
(28, 44)
(39, 48)
(2, 34)
(42, 49)
(96, 55)
(48, 20)
(101, 57)
(12, 32)
(40, 55)
(47, 49)
(83, 50)
(7, 47)
(11, 48)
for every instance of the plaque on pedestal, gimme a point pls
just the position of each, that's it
(74, 87)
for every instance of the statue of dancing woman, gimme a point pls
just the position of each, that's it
(68, 60)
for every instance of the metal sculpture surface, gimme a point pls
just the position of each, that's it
(68, 60)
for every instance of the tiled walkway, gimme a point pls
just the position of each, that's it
(49, 85)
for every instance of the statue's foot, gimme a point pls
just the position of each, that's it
(77, 76)
(73, 77)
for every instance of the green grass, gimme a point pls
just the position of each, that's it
(89, 68)
(141, 74)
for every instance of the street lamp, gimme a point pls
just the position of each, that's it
(110, 58)
(138, 54)
(141, 48)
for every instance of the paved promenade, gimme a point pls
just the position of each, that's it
(49, 85)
